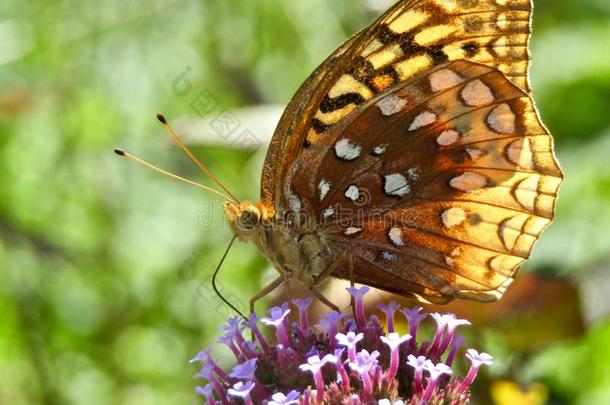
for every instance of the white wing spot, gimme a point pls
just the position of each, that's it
(353, 193)
(474, 153)
(390, 257)
(502, 119)
(414, 174)
(501, 22)
(449, 261)
(293, 202)
(396, 185)
(468, 182)
(352, 230)
(380, 150)
(346, 150)
(329, 212)
(424, 119)
(444, 79)
(448, 137)
(391, 104)
(395, 235)
(453, 217)
(476, 94)
(324, 188)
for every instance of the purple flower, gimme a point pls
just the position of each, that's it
(278, 320)
(477, 360)
(242, 390)
(363, 365)
(436, 371)
(393, 341)
(342, 356)
(419, 364)
(207, 392)
(414, 317)
(314, 365)
(389, 311)
(358, 294)
(350, 340)
(303, 304)
(280, 399)
(244, 371)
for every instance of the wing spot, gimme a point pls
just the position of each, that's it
(352, 230)
(387, 256)
(474, 153)
(444, 79)
(502, 22)
(395, 235)
(352, 193)
(423, 119)
(324, 188)
(345, 150)
(329, 212)
(453, 217)
(294, 202)
(468, 182)
(448, 137)
(476, 94)
(502, 119)
(380, 150)
(414, 174)
(391, 105)
(396, 185)
(520, 153)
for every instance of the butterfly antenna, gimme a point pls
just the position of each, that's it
(182, 146)
(127, 155)
(215, 287)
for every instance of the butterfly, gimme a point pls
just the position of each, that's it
(412, 160)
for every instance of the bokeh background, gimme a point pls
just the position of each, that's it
(105, 267)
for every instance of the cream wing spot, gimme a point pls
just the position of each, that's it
(448, 137)
(474, 153)
(453, 217)
(526, 192)
(391, 105)
(477, 93)
(444, 79)
(501, 21)
(520, 153)
(294, 202)
(328, 212)
(390, 257)
(468, 182)
(423, 119)
(345, 150)
(396, 185)
(502, 119)
(395, 235)
(380, 150)
(352, 230)
(324, 188)
(352, 193)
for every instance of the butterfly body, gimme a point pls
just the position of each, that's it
(413, 159)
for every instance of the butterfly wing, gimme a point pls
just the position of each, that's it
(411, 37)
(438, 187)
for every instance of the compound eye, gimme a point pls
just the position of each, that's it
(248, 220)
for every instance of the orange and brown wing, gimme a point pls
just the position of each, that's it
(413, 36)
(439, 187)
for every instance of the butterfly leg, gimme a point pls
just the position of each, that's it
(322, 276)
(266, 291)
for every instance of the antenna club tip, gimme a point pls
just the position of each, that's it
(161, 118)
(119, 152)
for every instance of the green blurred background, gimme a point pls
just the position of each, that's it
(105, 267)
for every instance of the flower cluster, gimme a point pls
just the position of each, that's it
(340, 361)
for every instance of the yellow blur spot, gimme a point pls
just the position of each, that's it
(410, 67)
(386, 56)
(347, 84)
(409, 20)
(432, 35)
(509, 393)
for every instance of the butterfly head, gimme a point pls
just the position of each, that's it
(245, 218)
